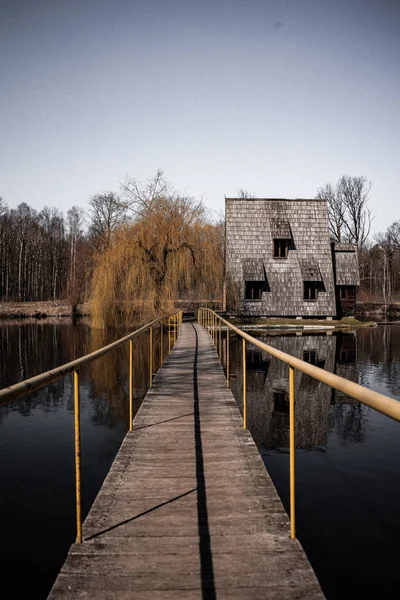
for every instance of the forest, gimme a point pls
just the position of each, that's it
(134, 253)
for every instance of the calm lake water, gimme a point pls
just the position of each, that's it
(348, 481)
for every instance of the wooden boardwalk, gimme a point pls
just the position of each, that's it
(187, 509)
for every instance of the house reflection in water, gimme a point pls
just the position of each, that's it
(268, 389)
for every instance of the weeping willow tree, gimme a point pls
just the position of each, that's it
(168, 251)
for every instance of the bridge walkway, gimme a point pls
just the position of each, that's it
(187, 509)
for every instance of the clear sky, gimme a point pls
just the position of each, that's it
(278, 97)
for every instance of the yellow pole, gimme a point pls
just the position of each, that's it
(151, 357)
(244, 384)
(292, 456)
(213, 327)
(77, 458)
(161, 344)
(220, 342)
(130, 384)
(227, 358)
(169, 335)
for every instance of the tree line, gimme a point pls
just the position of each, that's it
(132, 253)
(135, 252)
(350, 220)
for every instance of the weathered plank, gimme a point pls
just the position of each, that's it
(187, 509)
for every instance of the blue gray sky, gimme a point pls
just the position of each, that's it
(278, 97)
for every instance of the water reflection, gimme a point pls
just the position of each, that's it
(37, 504)
(268, 391)
(347, 457)
(32, 347)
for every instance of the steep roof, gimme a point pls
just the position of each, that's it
(253, 224)
(309, 268)
(346, 264)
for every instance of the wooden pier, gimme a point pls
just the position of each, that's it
(188, 509)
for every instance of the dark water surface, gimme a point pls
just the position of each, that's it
(37, 468)
(348, 467)
(347, 457)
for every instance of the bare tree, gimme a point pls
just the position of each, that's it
(106, 213)
(353, 193)
(336, 210)
(244, 194)
(349, 216)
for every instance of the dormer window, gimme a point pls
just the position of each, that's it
(282, 236)
(312, 278)
(281, 248)
(255, 279)
(254, 290)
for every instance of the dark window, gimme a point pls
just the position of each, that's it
(281, 401)
(281, 248)
(254, 289)
(311, 357)
(347, 293)
(310, 290)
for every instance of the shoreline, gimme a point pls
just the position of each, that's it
(41, 310)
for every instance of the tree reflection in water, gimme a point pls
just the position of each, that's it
(37, 503)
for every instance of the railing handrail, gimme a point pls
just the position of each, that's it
(383, 404)
(38, 381)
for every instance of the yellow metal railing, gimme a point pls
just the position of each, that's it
(27, 386)
(213, 323)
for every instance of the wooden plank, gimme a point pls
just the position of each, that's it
(187, 509)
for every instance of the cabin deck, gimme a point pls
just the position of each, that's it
(187, 509)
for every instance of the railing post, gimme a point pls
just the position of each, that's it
(151, 357)
(169, 335)
(227, 357)
(130, 385)
(292, 456)
(77, 458)
(244, 384)
(161, 343)
(220, 341)
(213, 327)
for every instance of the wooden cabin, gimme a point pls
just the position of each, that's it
(280, 260)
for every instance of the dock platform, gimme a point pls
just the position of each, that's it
(188, 510)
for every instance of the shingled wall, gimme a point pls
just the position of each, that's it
(249, 236)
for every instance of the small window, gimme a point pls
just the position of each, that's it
(310, 290)
(311, 357)
(347, 293)
(254, 289)
(281, 401)
(281, 248)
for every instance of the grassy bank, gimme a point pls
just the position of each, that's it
(39, 310)
(282, 323)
